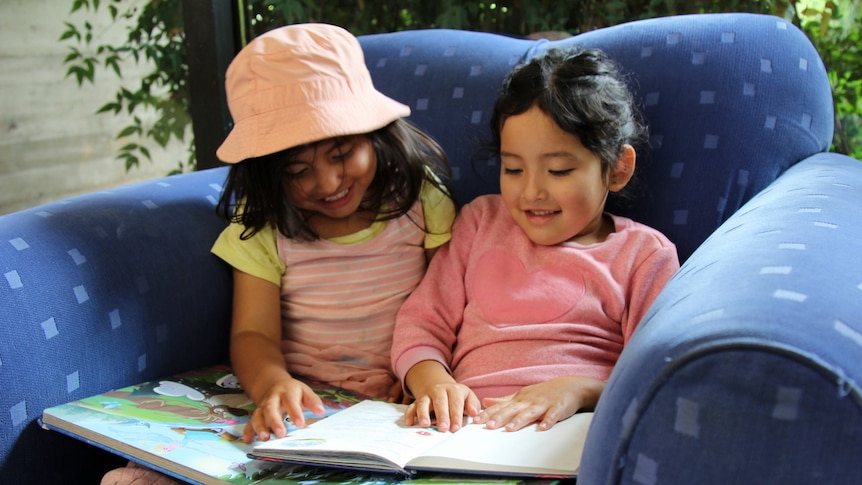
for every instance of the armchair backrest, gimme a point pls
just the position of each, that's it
(731, 100)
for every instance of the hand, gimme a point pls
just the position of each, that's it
(449, 402)
(437, 392)
(288, 396)
(546, 403)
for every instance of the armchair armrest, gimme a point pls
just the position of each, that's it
(747, 369)
(98, 292)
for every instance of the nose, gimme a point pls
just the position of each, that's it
(534, 187)
(328, 177)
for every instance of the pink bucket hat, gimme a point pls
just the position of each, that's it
(300, 84)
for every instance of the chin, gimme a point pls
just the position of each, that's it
(543, 240)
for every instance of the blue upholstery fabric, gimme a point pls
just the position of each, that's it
(100, 292)
(450, 80)
(743, 369)
(705, 83)
(747, 368)
(709, 86)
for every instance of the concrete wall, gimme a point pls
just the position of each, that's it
(52, 144)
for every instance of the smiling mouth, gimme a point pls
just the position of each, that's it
(541, 213)
(337, 197)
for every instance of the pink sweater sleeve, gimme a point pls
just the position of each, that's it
(427, 324)
(647, 282)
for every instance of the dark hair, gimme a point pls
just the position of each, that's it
(406, 157)
(582, 91)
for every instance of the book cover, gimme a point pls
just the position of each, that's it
(188, 426)
(372, 436)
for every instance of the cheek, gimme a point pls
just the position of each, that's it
(363, 170)
(293, 192)
(364, 164)
(509, 191)
(570, 195)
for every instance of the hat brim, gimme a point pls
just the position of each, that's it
(277, 130)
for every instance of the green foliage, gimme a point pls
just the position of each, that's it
(156, 38)
(834, 28)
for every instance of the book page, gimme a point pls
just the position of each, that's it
(364, 429)
(556, 451)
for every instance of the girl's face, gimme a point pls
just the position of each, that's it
(552, 185)
(330, 178)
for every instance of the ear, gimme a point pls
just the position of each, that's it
(623, 170)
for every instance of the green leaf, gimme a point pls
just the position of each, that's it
(129, 130)
(112, 106)
(131, 161)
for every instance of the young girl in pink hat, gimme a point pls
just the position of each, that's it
(528, 307)
(335, 204)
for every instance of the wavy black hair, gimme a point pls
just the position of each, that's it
(406, 157)
(583, 91)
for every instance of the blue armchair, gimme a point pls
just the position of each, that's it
(747, 368)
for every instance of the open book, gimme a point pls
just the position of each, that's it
(188, 426)
(371, 435)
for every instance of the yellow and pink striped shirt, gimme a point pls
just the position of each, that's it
(339, 296)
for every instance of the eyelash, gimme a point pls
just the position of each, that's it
(343, 155)
(339, 156)
(296, 174)
(555, 173)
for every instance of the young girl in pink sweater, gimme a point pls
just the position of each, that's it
(522, 317)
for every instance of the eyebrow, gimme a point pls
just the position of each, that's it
(339, 142)
(558, 154)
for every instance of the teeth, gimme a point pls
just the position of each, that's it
(541, 213)
(337, 196)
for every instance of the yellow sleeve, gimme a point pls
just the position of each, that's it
(257, 256)
(439, 212)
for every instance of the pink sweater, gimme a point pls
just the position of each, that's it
(501, 312)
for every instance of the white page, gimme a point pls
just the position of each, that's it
(374, 427)
(557, 450)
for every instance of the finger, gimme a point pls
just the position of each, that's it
(490, 405)
(552, 417)
(441, 411)
(526, 416)
(418, 413)
(274, 421)
(258, 425)
(293, 408)
(490, 401)
(423, 412)
(313, 402)
(456, 413)
(248, 433)
(394, 393)
(472, 407)
(410, 415)
(500, 414)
